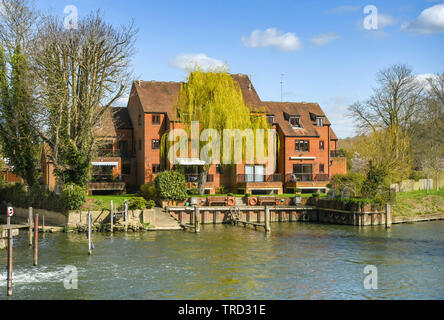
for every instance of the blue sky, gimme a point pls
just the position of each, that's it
(322, 47)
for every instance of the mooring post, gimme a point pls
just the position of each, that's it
(10, 245)
(388, 216)
(30, 226)
(126, 216)
(43, 224)
(267, 219)
(197, 219)
(112, 216)
(36, 240)
(89, 233)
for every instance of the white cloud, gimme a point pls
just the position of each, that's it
(122, 101)
(325, 38)
(422, 79)
(385, 20)
(344, 9)
(189, 62)
(273, 38)
(431, 20)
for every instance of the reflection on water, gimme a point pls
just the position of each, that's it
(297, 261)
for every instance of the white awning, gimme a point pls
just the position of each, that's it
(190, 162)
(105, 164)
(302, 158)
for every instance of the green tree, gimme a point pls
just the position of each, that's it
(215, 100)
(20, 143)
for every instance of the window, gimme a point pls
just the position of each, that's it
(295, 122)
(140, 120)
(140, 145)
(302, 172)
(270, 119)
(156, 119)
(254, 173)
(321, 145)
(156, 144)
(321, 168)
(219, 169)
(320, 121)
(156, 168)
(126, 169)
(123, 147)
(302, 146)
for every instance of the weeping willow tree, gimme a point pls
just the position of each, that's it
(214, 99)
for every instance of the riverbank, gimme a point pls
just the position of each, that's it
(416, 206)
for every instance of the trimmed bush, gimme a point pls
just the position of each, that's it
(148, 191)
(171, 185)
(73, 196)
(137, 203)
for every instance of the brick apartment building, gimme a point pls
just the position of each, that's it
(130, 153)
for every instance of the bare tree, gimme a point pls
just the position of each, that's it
(81, 74)
(395, 103)
(18, 20)
(428, 137)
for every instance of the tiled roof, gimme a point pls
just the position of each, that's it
(281, 110)
(161, 97)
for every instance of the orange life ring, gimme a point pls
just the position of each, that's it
(230, 201)
(252, 201)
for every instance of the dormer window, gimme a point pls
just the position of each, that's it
(270, 119)
(295, 122)
(320, 121)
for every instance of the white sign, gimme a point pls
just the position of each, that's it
(10, 211)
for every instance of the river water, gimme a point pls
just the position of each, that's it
(296, 261)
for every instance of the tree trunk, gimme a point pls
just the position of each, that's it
(203, 179)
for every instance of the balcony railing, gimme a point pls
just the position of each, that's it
(307, 177)
(104, 178)
(194, 177)
(337, 154)
(109, 153)
(245, 178)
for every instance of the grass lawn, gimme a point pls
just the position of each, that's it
(419, 203)
(93, 202)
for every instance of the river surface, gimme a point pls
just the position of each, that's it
(296, 261)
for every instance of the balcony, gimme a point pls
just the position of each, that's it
(337, 154)
(194, 177)
(258, 178)
(306, 177)
(110, 153)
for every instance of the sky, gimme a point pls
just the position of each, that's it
(323, 51)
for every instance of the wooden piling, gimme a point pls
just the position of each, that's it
(43, 224)
(30, 226)
(112, 216)
(9, 275)
(36, 240)
(267, 219)
(197, 219)
(89, 233)
(126, 216)
(388, 216)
